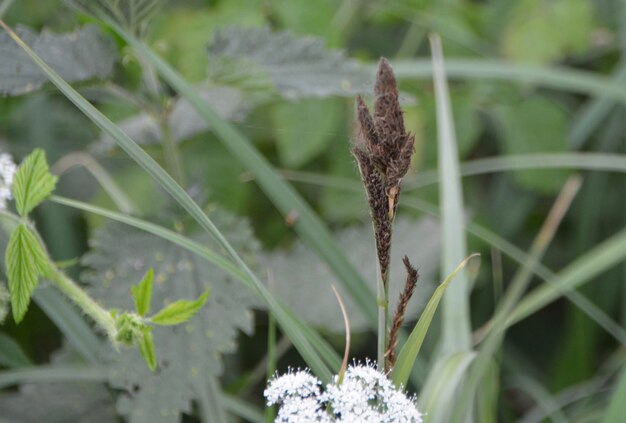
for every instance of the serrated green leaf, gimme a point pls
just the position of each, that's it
(195, 349)
(142, 293)
(33, 182)
(77, 56)
(146, 346)
(25, 261)
(408, 353)
(296, 66)
(179, 311)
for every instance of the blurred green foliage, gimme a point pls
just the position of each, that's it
(559, 348)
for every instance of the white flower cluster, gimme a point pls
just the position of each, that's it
(365, 395)
(7, 170)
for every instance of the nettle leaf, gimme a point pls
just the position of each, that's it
(77, 56)
(25, 261)
(146, 347)
(142, 293)
(302, 281)
(187, 355)
(184, 121)
(296, 66)
(32, 182)
(179, 311)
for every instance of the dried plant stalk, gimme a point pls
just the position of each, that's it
(383, 150)
(398, 317)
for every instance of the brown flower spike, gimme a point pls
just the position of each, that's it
(383, 152)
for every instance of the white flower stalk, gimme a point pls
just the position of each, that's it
(365, 395)
(7, 170)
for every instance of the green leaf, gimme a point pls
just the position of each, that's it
(32, 182)
(534, 125)
(179, 311)
(617, 406)
(442, 385)
(193, 350)
(77, 56)
(296, 66)
(534, 33)
(146, 347)
(304, 129)
(11, 354)
(408, 353)
(25, 261)
(456, 330)
(142, 293)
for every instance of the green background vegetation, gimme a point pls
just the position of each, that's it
(544, 80)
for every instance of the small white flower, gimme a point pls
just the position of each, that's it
(365, 395)
(7, 170)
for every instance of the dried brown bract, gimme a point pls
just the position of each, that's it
(383, 152)
(398, 317)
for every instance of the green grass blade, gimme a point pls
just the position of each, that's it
(455, 318)
(585, 123)
(53, 373)
(438, 392)
(71, 323)
(11, 354)
(617, 407)
(408, 353)
(301, 343)
(242, 409)
(559, 78)
(574, 161)
(582, 270)
(308, 225)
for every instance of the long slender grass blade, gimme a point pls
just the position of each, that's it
(456, 327)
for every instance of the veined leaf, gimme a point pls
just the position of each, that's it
(77, 56)
(142, 293)
(408, 353)
(184, 121)
(296, 66)
(146, 347)
(179, 311)
(33, 182)
(187, 355)
(25, 261)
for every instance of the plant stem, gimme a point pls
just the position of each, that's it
(382, 301)
(172, 159)
(91, 308)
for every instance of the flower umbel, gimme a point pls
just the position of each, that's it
(365, 395)
(7, 170)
